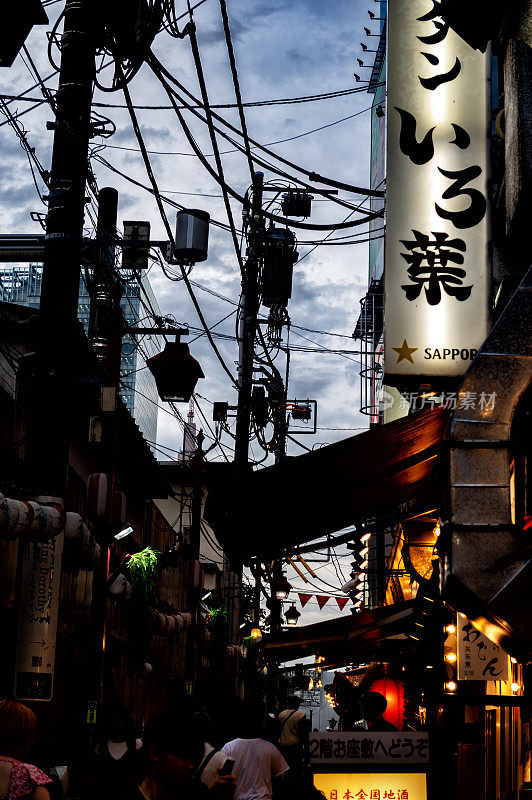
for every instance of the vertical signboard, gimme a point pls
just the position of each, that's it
(436, 254)
(479, 659)
(37, 623)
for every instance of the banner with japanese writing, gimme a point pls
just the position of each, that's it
(367, 747)
(436, 251)
(479, 659)
(37, 624)
(372, 786)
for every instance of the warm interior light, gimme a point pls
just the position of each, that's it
(451, 657)
(515, 687)
(451, 628)
(256, 633)
(364, 565)
(364, 551)
(365, 537)
(451, 686)
(513, 660)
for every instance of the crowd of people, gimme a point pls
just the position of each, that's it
(180, 755)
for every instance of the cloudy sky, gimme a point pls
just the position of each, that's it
(283, 50)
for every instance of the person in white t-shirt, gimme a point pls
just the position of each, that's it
(257, 762)
(213, 760)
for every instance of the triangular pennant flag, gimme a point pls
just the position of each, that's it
(322, 599)
(342, 602)
(303, 599)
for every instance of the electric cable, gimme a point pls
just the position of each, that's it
(220, 171)
(169, 230)
(153, 61)
(241, 199)
(172, 94)
(234, 73)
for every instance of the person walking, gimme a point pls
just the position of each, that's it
(258, 762)
(19, 779)
(172, 752)
(293, 732)
(117, 763)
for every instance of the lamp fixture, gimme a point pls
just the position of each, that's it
(451, 686)
(451, 657)
(125, 531)
(205, 596)
(365, 537)
(256, 634)
(292, 615)
(451, 628)
(281, 587)
(515, 687)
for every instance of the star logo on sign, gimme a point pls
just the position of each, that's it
(404, 353)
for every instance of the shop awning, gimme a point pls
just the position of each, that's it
(390, 466)
(341, 639)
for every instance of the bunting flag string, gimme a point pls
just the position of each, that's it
(322, 600)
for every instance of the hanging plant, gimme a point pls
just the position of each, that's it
(141, 604)
(217, 623)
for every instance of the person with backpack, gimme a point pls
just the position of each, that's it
(294, 731)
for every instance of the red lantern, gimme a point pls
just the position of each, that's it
(394, 692)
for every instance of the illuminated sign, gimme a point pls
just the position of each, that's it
(436, 252)
(367, 747)
(479, 659)
(372, 786)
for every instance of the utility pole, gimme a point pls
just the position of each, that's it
(248, 325)
(48, 439)
(105, 333)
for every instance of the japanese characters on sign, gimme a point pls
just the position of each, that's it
(479, 659)
(37, 628)
(335, 747)
(372, 786)
(436, 258)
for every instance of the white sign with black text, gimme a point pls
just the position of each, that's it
(368, 747)
(436, 250)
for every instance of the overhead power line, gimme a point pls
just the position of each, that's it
(154, 62)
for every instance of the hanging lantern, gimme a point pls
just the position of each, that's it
(292, 615)
(256, 634)
(281, 587)
(176, 372)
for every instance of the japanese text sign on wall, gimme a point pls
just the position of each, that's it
(37, 626)
(334, 747)
(436, 258)
(372, 786)
(479, 659)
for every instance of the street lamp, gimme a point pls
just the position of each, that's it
(281, 587)
(292, 615)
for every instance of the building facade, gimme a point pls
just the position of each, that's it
(21, 284)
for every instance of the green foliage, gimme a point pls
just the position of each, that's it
(217, 624)
(142, 569)
(142, 573)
